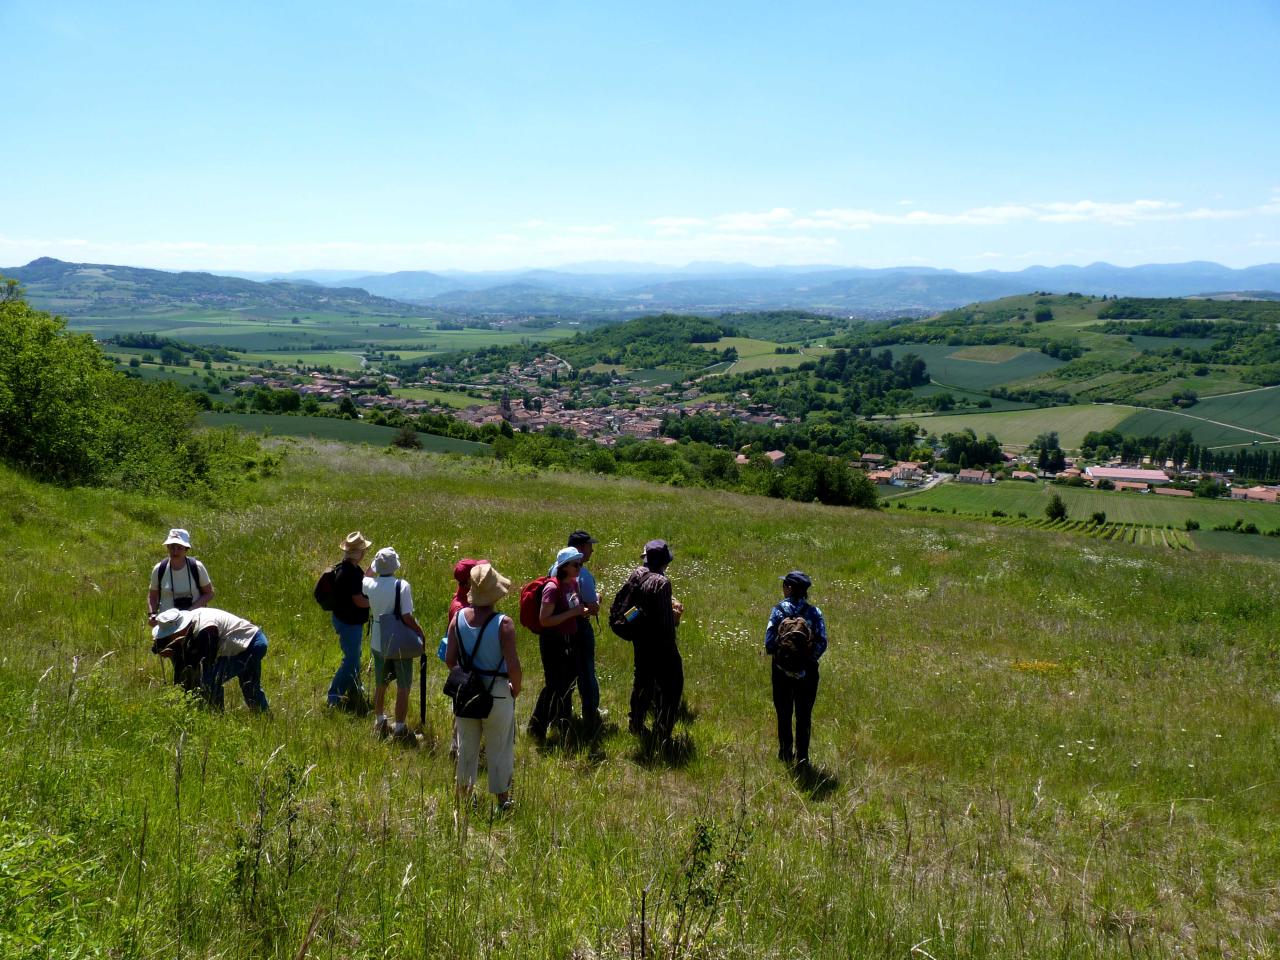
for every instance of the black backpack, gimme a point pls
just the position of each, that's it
(326, 591)
(625, 618)
(795, 646)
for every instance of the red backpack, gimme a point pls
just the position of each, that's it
(531, 604)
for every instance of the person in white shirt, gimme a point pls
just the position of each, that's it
(381, 591)
(210, 646)
(178, 581)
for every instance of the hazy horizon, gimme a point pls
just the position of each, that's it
(493, 136)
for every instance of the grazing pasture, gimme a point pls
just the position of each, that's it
(949, 365)
(330, 428)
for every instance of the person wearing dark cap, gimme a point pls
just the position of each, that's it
(645, 602)
(585, 641)
(795, 638)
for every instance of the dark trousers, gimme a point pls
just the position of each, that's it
(584, 643)
(799, 694)
(658, 685)
(245, 667)
(560, 672)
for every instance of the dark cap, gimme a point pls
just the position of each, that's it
(579, 537)
(798, 579)
(657, 551)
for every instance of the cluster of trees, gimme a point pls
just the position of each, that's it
(175, 352)
(839, 438)
(964, 451)
(67, 416)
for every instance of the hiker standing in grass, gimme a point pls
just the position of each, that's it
(585, 641)
(208, 647)
(645, 613)
(382, 591)
(350, 614)
(462, 575)
(486, 641)
(795, 638)
(559, 615)
(178, 582)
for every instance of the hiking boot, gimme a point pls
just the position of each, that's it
(785, 756)
(537, 734)
(381, 728)
(506, 806)
(405, 736)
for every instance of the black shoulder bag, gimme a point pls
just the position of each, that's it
(465, 684)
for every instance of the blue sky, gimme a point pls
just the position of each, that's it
(480, 135)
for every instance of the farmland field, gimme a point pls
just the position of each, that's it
(759, 354)
(447, 397)
(1014, 496)
(330, 428)
(1143, 423)
(1019, 428)
(948, 368)
(1251, 545)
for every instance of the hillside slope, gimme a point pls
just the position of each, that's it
(1031, 744)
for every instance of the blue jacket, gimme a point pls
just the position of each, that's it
(796, 608)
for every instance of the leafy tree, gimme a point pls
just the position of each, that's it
(407, 438)
(1057, 509)
(1098, 517)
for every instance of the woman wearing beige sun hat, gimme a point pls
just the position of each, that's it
(485, 640)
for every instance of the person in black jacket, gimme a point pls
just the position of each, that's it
(795, 668)
(659, 668)
(350, 614)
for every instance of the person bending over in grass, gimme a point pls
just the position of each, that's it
(208, 647)
(350, 614)
(178, 582)
(795, 638)
(486, 640)
(559, 615)
(382, 591)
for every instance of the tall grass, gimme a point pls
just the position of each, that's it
(1029, 744)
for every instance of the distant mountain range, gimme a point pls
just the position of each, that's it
(615, 290)
(101, 289)
(706, 287)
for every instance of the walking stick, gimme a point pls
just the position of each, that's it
(422, 688)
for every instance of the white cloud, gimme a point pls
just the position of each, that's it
(777, 217)
(677, 222)
(593, 229)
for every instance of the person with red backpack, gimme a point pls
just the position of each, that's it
(795, 638)
(559, 611)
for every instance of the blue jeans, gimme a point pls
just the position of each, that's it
(350, 639)
(247, 667)
(588, 686)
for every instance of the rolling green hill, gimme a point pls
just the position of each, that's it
(1029, 744)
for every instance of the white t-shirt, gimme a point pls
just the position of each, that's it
(192, 571)
(381, 592)
(234, 633)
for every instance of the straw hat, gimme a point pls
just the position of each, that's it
(355, 543)
(488, 586)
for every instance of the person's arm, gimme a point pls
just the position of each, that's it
(451, 649)
(819, 633)
(771, 632)
(360, 600)
(507, 638)
(206, 587)
(589, 593)
(548, 617)
(153, 605)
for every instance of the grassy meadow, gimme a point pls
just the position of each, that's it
(332, 428)
(1017, 428)
(1028, 744)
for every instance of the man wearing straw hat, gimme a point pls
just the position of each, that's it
(350, 614)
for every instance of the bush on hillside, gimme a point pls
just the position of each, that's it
(66, 416)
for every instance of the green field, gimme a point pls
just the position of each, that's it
(947, 368)
(329, 428)
(1160, 423)
(1018, 428)
(1027, 744)
(449, 398)
(1020, 496)
(759, 354)
(1225, 542)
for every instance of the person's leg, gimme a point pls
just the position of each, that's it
(783, 700)
(381, 677)
(588, 684)
(563, 682)
(347, 677)
(404, 684)
(500, 744)
(806, 693)
(641, 687)
(250, 671)
(212, 677)
(549, 644)
(670, 689)
(468, 754)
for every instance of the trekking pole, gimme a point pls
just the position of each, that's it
(422, 687)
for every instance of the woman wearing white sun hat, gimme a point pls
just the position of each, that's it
(178, 582)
